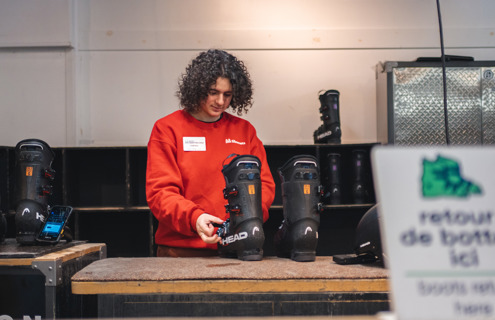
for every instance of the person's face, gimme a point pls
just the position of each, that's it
(218, 100)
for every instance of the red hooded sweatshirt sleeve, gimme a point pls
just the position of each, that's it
(184, 178)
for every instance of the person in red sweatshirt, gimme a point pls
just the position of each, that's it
(187, 150)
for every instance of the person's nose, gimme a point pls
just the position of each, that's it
(220, 99)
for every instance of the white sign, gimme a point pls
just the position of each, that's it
(437, 219)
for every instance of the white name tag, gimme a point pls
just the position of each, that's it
(194, 143)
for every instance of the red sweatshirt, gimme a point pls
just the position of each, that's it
(184, 178)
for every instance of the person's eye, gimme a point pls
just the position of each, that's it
(212, 92)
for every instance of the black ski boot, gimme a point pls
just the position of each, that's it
(3, 227)
(242, 234)
(297, 237)
(33, 179)
(329, 131)
(333, 188)
(360, 193)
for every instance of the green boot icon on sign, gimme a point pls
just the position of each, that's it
(442, 177)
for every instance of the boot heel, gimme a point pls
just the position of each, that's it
(305, 240)
(301, 256)
(251, 255)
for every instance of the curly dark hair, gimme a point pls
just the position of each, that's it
(203, 72)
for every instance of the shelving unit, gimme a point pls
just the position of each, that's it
(106, 187)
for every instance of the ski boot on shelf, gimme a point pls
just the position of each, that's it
(297, 237)
(3, 227)
(242, 234)
(33, 186)
(333, 188)
(360, 192)
(3, 224)
(329, 131)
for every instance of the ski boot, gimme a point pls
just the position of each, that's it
(242, 234)
(333, 188)
(297, 237)
(360, 193)
(33, 179)
(329, 131)
(3, 227)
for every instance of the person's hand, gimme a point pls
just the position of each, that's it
(205, 228)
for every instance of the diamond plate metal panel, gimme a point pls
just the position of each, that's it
(419, 112)
(488, 104)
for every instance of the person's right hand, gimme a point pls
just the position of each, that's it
(205, 228)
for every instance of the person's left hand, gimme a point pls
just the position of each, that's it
(205, 228)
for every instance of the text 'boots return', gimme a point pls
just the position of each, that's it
(242, 234)
(33, 186)
(297, 237)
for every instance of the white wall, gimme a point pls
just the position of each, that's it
(105, 70)
(35, 71)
